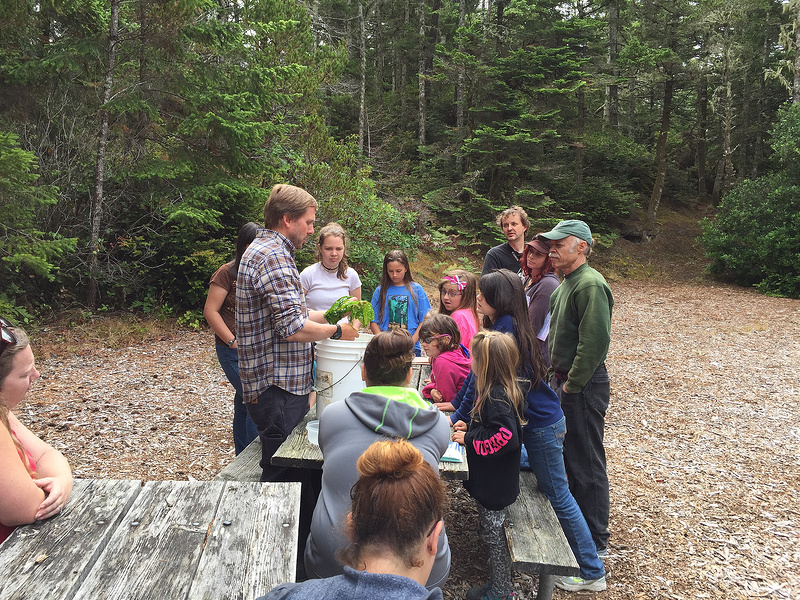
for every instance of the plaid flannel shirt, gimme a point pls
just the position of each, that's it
(270, 306)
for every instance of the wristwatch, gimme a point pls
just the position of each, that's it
(232, 342)
(338, 333)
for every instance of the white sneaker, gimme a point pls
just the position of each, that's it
(578, 584)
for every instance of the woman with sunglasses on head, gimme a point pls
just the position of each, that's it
(35, 477)
(394, 523)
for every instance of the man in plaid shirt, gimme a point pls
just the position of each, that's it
(273, 326)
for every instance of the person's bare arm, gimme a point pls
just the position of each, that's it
(25, 500)
(216, 296)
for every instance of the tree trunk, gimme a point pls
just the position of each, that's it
(719, 175)
(362, 116)
(631, 106)
(404, 68)
(727, 124)
(460, 104)
(611, 108)
(758, 142)
(796, 86)
(421, 76)
(702, 132)
(727, 151)
(579, 146)
(661, 156)
(379, 58)
(100, 167)
(500, 7)
(746, 120)
(433, 37)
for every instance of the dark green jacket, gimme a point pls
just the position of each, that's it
(580, 325)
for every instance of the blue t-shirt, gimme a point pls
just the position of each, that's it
(400, 311)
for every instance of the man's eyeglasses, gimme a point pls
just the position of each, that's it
(451, 294)
(7, 337)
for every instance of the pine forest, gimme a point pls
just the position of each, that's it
(136, 137)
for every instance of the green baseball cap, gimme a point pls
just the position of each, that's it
(572, 227)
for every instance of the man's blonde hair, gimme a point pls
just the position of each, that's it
(287, 200)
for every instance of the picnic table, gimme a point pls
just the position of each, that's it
(127, 539)
(298, 452)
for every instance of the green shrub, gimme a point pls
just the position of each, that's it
(755, 237)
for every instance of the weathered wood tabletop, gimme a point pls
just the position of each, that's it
(298, 452)
(126, 539)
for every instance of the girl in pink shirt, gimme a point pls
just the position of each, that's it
(458, 291)
(450, 361)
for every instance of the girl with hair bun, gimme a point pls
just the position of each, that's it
(387, 409)
(394, 524)
(35, 477)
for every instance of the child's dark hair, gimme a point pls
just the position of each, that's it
(494, 356)
(502, 290)
(388, 357)
(441, 328)
(247, 233)
(395, 504)
(394, 256)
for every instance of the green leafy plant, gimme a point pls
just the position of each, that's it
(359, 309)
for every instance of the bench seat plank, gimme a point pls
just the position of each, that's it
(62, 558)
(246, 466)
(534, 535)
(256, 548)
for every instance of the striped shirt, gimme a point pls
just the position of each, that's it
(270, 306)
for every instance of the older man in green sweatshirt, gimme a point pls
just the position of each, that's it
(580, 333)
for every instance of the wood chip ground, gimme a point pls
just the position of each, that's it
(703, 437)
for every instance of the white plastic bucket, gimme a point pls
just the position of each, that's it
(339, 369)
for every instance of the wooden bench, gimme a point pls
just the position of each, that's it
(535, 538)
(298, 452)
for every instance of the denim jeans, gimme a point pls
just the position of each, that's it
(584, 453)
(276, 413)
(244, 430)
(544, 446)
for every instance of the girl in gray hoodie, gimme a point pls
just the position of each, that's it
(384, 410)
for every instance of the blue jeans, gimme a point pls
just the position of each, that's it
(276, 413)
(244, 430)
(545, 453)
(584, 453)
